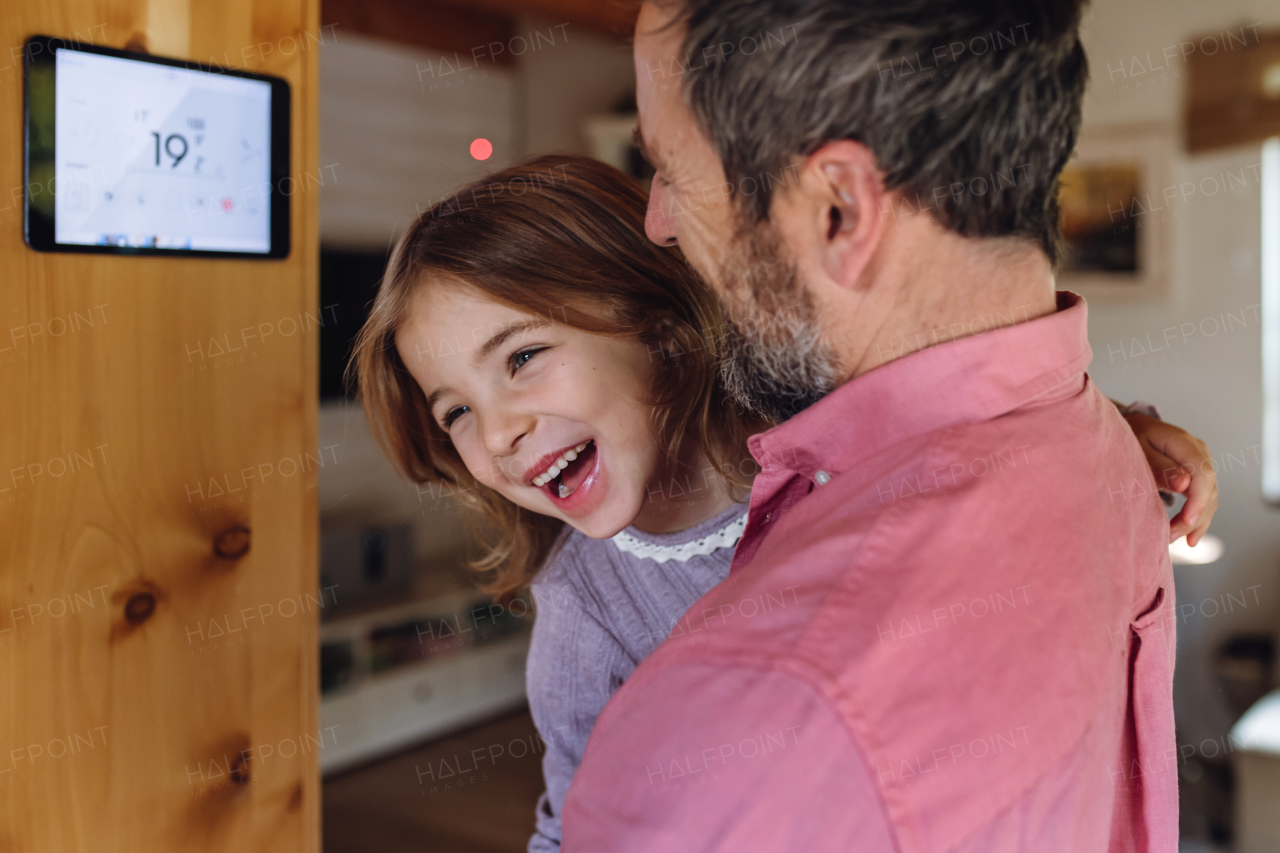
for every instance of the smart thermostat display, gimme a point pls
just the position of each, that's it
(151, 156)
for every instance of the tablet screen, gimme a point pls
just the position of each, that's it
(154, 156)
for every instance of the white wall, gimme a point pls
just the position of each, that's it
(1208, 383)
(562, 86)
(397, 142)
(397, 125)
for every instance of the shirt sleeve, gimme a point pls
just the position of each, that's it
(574, 665)
(703, 758)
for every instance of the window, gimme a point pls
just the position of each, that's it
(1271, 319)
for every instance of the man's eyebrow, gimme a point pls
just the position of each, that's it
(502, 337)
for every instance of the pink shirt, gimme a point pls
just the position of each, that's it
(948, 627)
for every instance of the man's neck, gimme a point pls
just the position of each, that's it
(929, 286)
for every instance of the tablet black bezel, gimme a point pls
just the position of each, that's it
(38, 229)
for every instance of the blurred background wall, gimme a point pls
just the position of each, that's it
(398, 115)
(1209, 383)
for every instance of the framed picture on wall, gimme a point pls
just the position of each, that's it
(1117, 212)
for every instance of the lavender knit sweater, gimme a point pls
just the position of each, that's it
(603, 605)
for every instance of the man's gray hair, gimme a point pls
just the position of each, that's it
(971, 108)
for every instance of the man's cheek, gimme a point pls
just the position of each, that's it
(699, 244)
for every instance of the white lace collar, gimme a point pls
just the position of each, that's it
(725, 537)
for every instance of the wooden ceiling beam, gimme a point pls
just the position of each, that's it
(443, 27)
(614, 19)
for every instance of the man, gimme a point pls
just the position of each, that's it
(947, 626)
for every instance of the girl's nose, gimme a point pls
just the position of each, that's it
(659, 223)
(502, 434)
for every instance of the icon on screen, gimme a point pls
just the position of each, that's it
(78, 197)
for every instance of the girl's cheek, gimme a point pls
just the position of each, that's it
(484, 473)
(473, 457)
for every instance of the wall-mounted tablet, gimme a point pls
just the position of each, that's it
(128, 153)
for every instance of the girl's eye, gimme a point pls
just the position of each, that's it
(521, 358)
(453, 414)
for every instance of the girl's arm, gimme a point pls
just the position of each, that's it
(574, 666)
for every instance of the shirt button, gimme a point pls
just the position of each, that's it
(822, 477)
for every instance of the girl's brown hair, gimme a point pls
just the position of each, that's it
(561, 237)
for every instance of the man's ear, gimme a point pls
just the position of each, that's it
(850, 191)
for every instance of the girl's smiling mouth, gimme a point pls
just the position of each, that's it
(573, 480)
(564, 475)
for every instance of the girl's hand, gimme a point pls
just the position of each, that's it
(1181, 463)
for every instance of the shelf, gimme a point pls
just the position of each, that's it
(385, 712)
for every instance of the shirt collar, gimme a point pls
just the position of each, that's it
(967, 380)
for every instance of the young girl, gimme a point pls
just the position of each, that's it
(530, 347)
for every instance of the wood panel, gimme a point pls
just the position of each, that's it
(158, 692)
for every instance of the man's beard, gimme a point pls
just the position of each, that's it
(773, 360)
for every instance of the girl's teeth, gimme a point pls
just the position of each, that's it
(564, 492)
(552, 472)
(559, 465)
